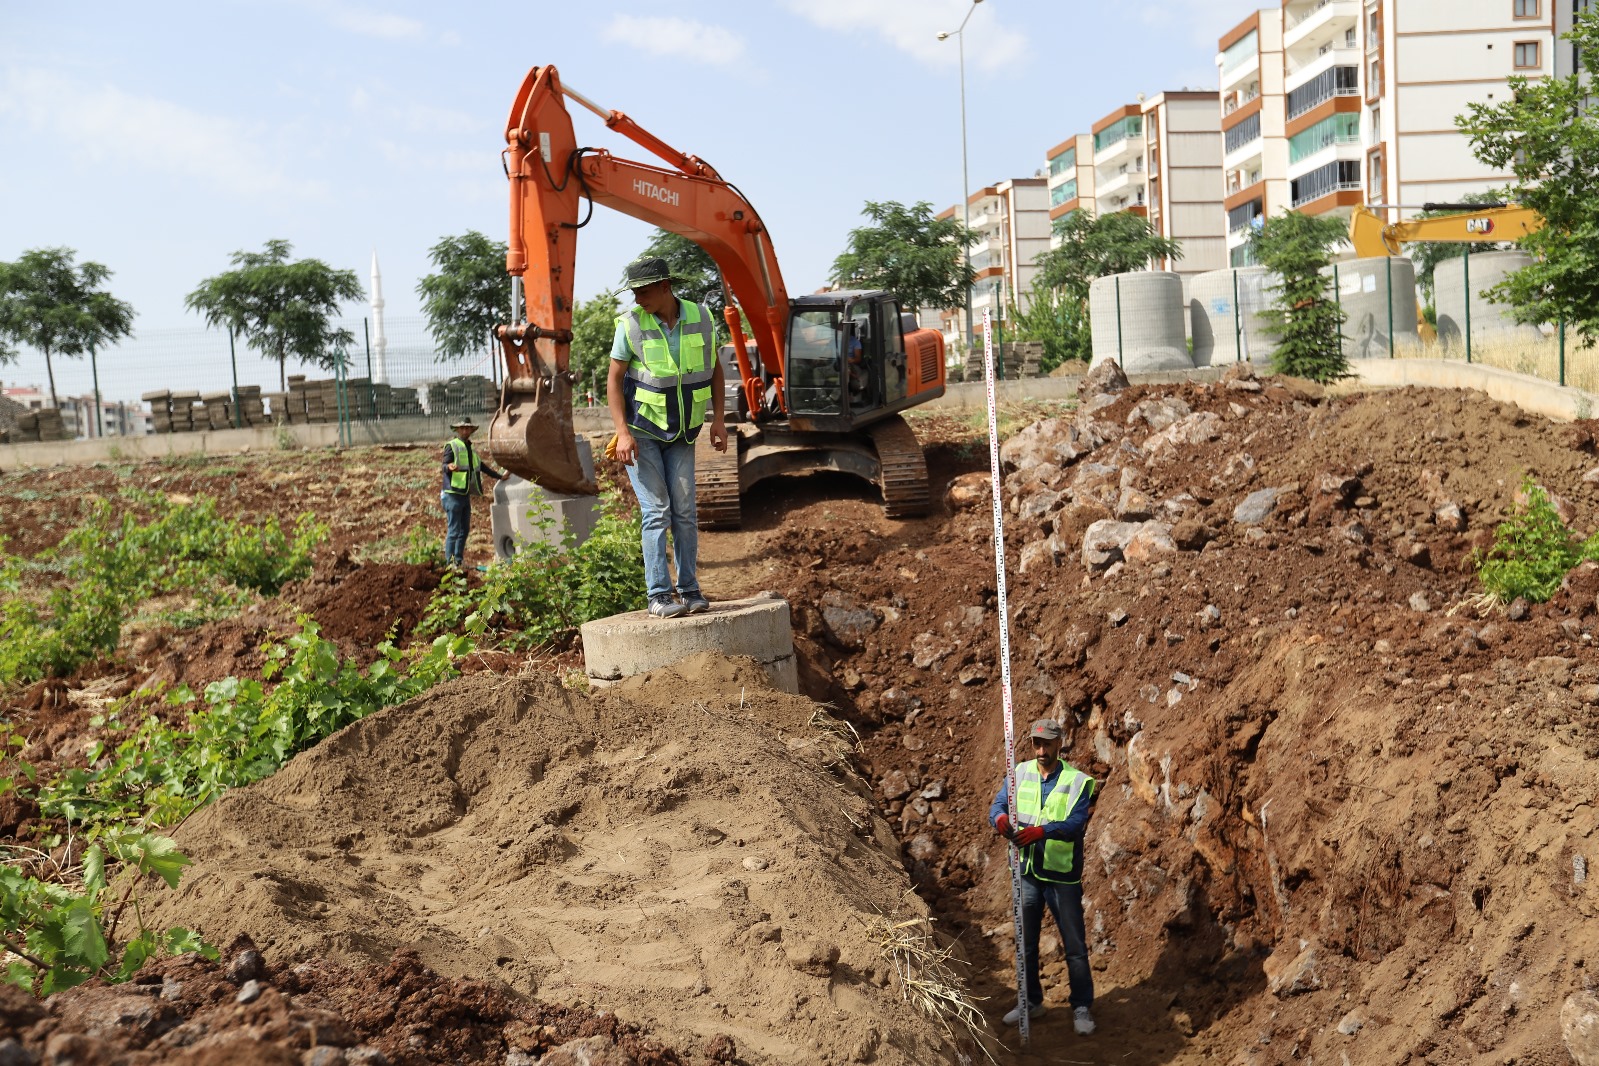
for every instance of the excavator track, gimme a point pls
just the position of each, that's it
(904, 468)
(716, 486)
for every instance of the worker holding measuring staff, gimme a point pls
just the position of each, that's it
(1053, 804)
(664, 380)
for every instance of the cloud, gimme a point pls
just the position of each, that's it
(913, 26)
(105, 124)
(665, 36)
(378, 24)
(1201, 21)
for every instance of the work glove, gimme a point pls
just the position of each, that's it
(1002, 824)
(1028, 836)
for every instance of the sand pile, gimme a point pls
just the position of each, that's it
(689, 849)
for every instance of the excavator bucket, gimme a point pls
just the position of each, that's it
(532, 435)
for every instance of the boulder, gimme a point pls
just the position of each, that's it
(1104, 541)
(1134, 506)
(1158, 412)
(1195, 429)
(1033, 445)
(1256, 507)
(846, 620)
(1153, 539)
(1291, 969)
(1579, 1027)
(1106, 377)
(969, 491)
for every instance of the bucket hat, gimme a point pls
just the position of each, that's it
(466, 423)
(645, 270)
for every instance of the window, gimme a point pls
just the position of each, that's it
(1527, 55)
(1528, 9)
(1374, 82)
(1334, 81)
(1374, 135)
(1243, 133)
(1374, 175)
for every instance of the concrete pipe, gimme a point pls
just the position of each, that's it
(1137, 319)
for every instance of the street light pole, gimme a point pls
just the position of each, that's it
(966, 182)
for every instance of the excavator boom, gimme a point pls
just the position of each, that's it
(550, 177)
(1371, 237)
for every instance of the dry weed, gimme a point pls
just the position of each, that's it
(927, 976)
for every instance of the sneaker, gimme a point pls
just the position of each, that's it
(1083, 1021)
(665, 607)
(1015, 1015)
(695, 602)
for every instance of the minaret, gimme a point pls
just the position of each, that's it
(380, 343)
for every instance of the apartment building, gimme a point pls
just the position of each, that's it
(1162, 158)
(1183, 184)
(1322, 88)
(1422, 63)
(1010, 221)
(117, 418)
(1120, 168)
(1565, 53)
(1070, 166)
(1253, 124)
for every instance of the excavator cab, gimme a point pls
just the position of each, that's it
(846, 358)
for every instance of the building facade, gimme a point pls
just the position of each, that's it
(1183, 179)
(1253, 124)
(1120, 168)
(1422, 64)
(1011, 228)
(1070, 166)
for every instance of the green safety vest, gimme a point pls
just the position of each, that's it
(469, 479)
(667, 398)
(1032, 808)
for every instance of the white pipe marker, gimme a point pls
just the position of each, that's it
(1022, 1006)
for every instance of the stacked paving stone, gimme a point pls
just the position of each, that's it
(304, 402)
(463, 395)
(1022, 359)
(45, 425)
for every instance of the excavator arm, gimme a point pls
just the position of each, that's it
(1372, 237)
(550, 178)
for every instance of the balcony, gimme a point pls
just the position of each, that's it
(1319, 19)
(1121, 136)
(1334, 81)
(1119, 183)
(1249, 68)
(1339, 175)
(1340, 129)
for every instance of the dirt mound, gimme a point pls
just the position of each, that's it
(688, 849)
(248, 1012)
(1337, 817)
(360, 606)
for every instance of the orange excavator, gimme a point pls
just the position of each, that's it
(822, 378)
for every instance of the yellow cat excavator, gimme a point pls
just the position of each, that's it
(822, 378)
(1371, 237)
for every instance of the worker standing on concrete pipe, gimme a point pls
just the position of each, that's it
(1053, 805)
(665, 381)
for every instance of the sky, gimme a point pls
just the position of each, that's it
(159, 138)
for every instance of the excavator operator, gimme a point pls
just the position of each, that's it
(664, 377)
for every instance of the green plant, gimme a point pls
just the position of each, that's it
(159, 773)
(1304, 319)
(62, 935)
(112, 561)
(547, 590)
(1532, 550)
(421, 546)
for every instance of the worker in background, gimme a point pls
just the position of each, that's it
(463, 479)
(665, 382)
(1053, 804)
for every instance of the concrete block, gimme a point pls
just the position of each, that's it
(518, 513)
(634, 643)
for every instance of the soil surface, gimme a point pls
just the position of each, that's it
(1347, 811)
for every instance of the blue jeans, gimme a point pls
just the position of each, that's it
(458, 518)
(1066, 904)
(663, 480)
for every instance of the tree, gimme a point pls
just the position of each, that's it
(1426, 255)
(1547, 135)
(468, 297)
(49, 304)
(910, 253)
(281, 308)
(1053, 320)
(1094, 246)
(593, 330)
(1297, 248)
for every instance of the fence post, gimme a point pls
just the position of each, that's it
(1338, 302)
(233, 357)
(1390, 262)
(1466, 284)
(371, 383)
(1121, 358)
(1238, 322)
(338, 393)
(1562, 351)
(99, 420)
